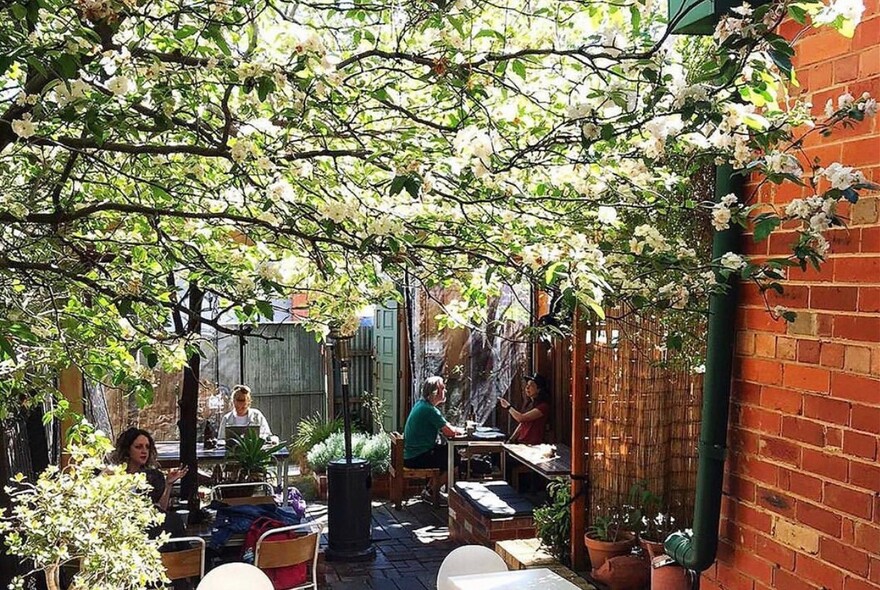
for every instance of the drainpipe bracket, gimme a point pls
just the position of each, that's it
(712, 451)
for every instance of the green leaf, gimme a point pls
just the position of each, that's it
(551, 271)
(216, 35)
(489, 33)
(265, 309)
(397, 185)
(798, 14)
(412, 186)
(6, 347)
(264, 87)
(519, 68)
(67, 65)
(765, 227)
(185, 31)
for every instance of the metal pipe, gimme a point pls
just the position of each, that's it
(697, 551)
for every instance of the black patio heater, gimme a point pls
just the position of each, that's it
(348, 480)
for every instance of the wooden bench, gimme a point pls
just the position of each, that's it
(489, 511)
(398, 474)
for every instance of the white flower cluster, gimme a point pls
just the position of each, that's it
(243, 149)
(733, 25)
(815, 210)
(849, 10)
(474, 146)
(70, 91)
(781, 163)
(650, 237)
(841, 177)
(721, 212)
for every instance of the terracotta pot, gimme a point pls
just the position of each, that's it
(601, 551)
(669, 577)
(652, 549)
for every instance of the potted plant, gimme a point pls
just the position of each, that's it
(608, 537)
(251, 456)
(553, 521)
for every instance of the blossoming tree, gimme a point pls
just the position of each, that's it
(255, 148)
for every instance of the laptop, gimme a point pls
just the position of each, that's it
(233, 432)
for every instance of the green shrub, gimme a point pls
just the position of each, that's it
(553, 521)
(376, 449)
(314, 430)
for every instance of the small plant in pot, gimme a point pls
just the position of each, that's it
(615, 532)
(657, 527)
(609, 537)
(251, 457)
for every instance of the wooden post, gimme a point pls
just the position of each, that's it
(70, 384)
(579, 458)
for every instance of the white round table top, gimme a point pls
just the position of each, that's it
(235, 576)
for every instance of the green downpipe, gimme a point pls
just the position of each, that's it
(698, 550)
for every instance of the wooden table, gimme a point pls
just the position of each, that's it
(535, 458)
(169, 456)
(533, 579)
(484, 439)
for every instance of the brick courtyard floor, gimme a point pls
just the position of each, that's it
(410, 546)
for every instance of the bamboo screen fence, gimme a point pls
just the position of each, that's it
(643, 420)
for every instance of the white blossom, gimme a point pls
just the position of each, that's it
(24, 127)
(119, 85)
(607, 215)
(732, 261)
(720, 217)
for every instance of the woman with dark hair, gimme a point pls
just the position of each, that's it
(533, 417)
(136, 449)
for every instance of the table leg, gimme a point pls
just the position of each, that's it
(450, 465)
(281, 466)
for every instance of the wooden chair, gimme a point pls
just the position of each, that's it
(286, 552)
(266, 498)
(185, 563)
(398, 474)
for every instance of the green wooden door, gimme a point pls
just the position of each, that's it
(387, 358)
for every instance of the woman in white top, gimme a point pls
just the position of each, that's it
(244, 415)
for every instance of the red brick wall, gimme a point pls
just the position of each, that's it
(802, 506)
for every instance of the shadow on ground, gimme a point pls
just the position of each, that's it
(411, 543)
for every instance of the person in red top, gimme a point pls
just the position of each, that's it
(533, 417)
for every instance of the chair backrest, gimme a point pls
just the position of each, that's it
(266, 497)
(397, 452)
(235, 576)
(186, 563)
(286, 552)
(249, 500)
(466, 560)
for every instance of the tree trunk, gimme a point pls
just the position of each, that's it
(53, 577)
(188, 404)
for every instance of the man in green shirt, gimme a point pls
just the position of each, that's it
(420, 447)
